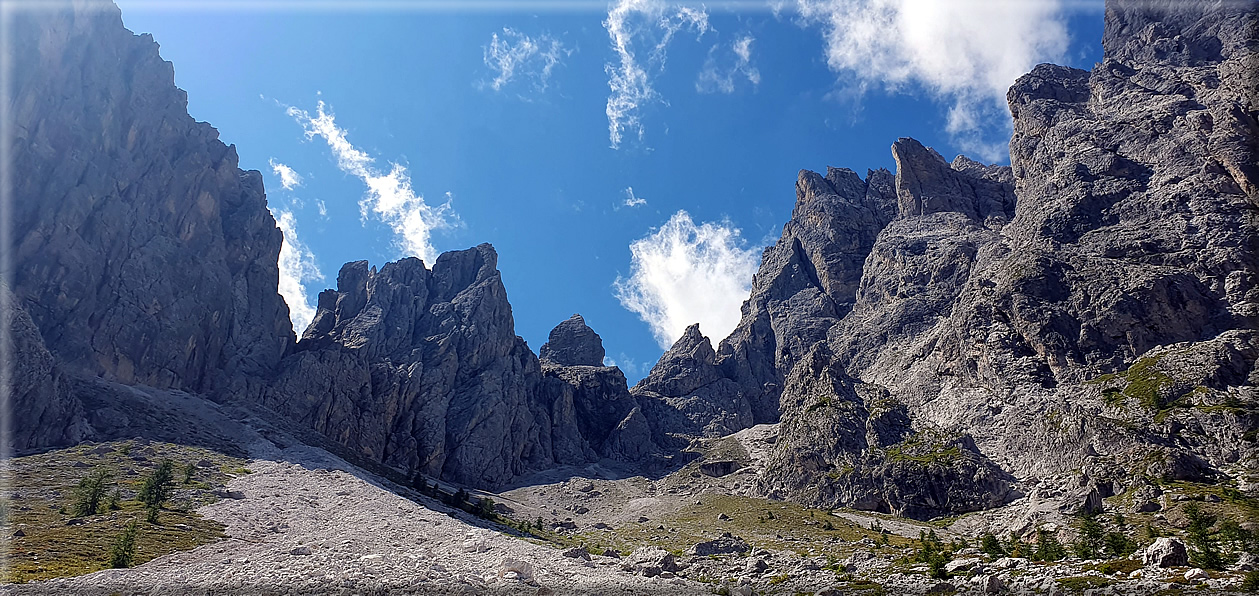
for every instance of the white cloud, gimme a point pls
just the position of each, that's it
(631, 200)
(625, 363)
(716, 78)
(289, 179)
(389, 194)
(966, 52)
(516, 55)
(323, 208)
(683, 274)
(297, 267)
(633, 26)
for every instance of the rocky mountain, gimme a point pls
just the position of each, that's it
(144, 256)
(936, 340)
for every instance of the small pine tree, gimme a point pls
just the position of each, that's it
(991, 546)
(1205, 553)
(123, 552)
(114, 502)
(190, 471)
(540, 526)
(89, 496)
(1048, 548)
(931, 552)
(1089, 544)
(420, 484)
(1118, 545)
(156, 489)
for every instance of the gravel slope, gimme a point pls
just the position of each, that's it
(310, 523)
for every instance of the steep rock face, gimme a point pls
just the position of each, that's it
(141, 251)
(573, 343)
(43, 411)
(1106, 330)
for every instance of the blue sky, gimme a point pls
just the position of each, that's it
(413, 128)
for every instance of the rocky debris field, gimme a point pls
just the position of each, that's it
(306, 522)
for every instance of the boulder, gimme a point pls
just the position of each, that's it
(650, 561)
(725, 545)
(1165, 552)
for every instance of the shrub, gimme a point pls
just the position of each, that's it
(991, 546)
(90, 494)
(1250, 583)
(1118, 545)
(485, 508)
(190, 471)
(123, 551)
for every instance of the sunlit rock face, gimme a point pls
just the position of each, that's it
(1082, 316)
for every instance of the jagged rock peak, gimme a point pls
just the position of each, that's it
(688, 365)
(379, 310)
(926, 183)
(573, 343)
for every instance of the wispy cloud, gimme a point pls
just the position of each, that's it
(297, 267)
(737, 58)
(631, 200)
(966, 52)
(685, 273)
(519, 56)
(389, 196)
(635, 26)
(289, 179)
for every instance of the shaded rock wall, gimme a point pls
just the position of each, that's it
(141, 251)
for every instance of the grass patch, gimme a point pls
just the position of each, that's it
(56, 544)
(1077, 585)
(791, 527)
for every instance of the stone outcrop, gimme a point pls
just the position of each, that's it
(142, 252)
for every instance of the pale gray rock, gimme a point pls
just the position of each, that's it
(1165, 552)
(650, 561)
(725, 545)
